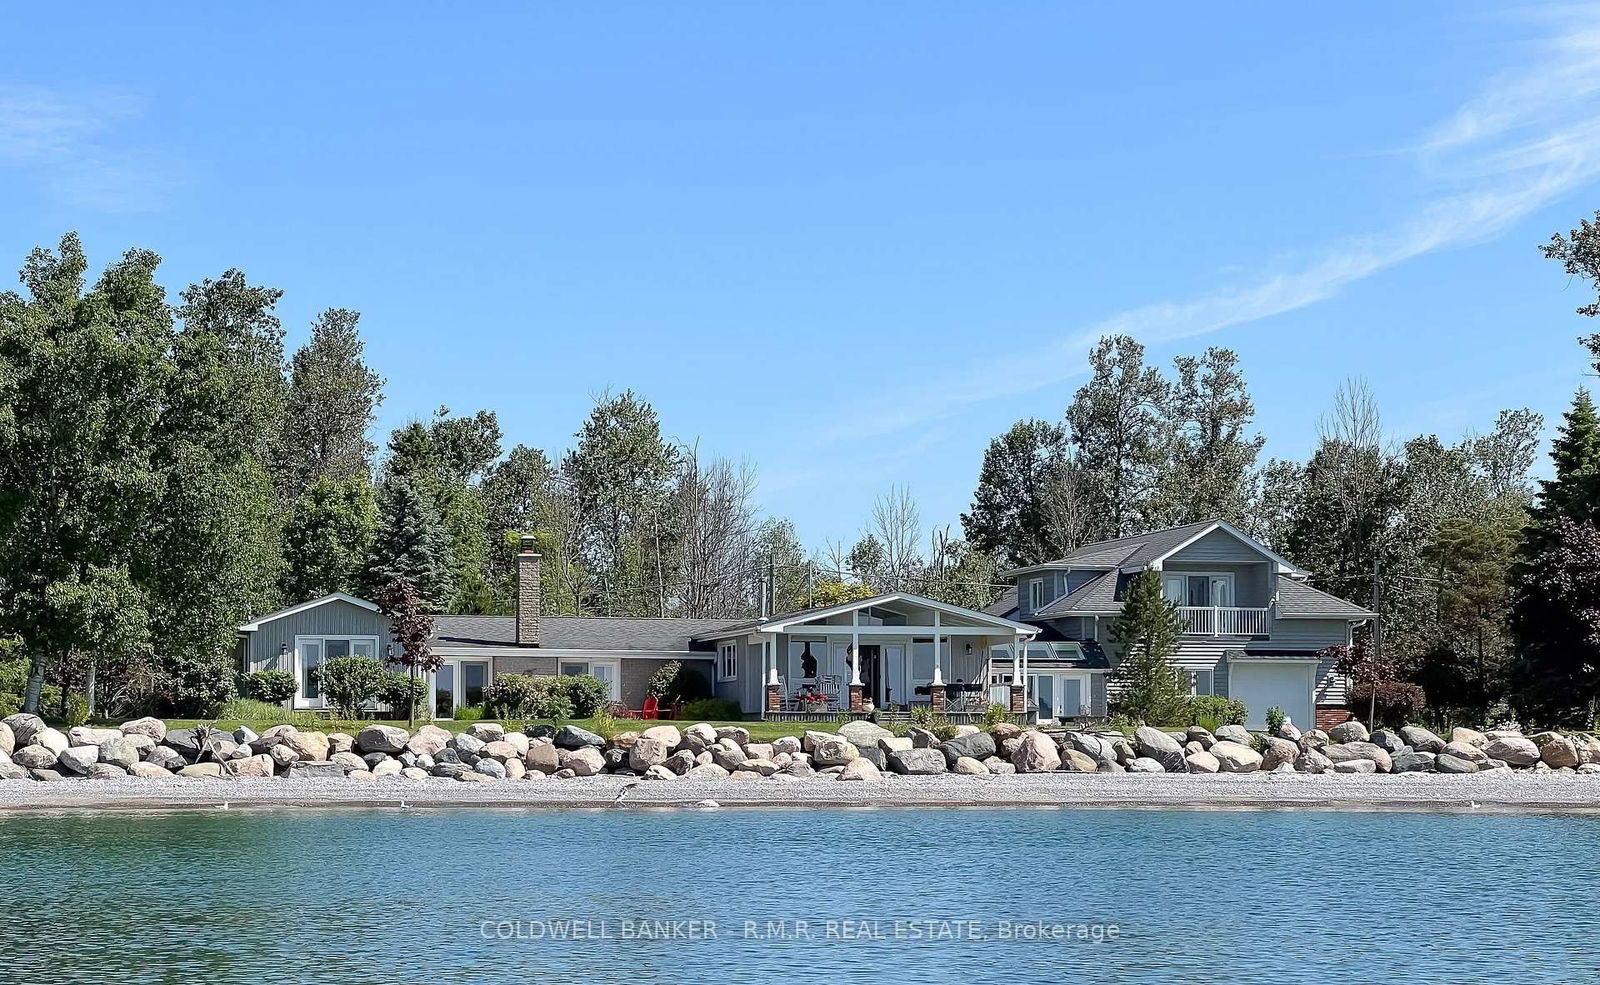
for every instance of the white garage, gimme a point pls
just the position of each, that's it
(1274, 682)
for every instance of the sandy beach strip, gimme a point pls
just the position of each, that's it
(1410, 791)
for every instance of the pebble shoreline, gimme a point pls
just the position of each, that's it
(1435, 792)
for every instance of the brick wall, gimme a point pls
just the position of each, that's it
(1330, 715)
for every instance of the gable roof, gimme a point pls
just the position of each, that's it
(1098, 596)
(1297, 600)
(1005, 606)
(1145, 549)
(780, 622)
(256, 624)
(578, 632)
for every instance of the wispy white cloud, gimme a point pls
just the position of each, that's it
(65, 145)
(1529, 136)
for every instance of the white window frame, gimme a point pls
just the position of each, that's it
(300, 701)
(1210, 683)
(728, 661)
(1233, 595)
(1036, 599)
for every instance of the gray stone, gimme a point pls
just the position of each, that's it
(245, 735)
(1421, 739)
(202, 771)
(573, 737)
(168, 759)
(583, 761)
(1074, 761)
(1313, 761)
(759, 750)
(765, 767)
(11, 771)
(8, 740)
(149, 771)
(801, 767)
(647, 752)
(83, 735)
(835, 751)
(1351, 731)
(387, 739)
(667, 735)
(122, 751)
(1587, 746)
(1465, 750)
(1516, 750)
(450, 771)
(1446, 763)
(979, 745)
(315, 769)
(23, 728)
(922, 738)
(967, 766)
(1164, 749)
(918, 762)
(105, 771)
(1412, 761)
(1275, 752)
(863, 732)
(680, 762)
(707, 771)
(34, 758)
(487, 732)
(78, 759)
(1202, 762)
(52, 739)
(1349, 751)
(467, 745)
(729, 755)
(252, 766)
(312, 746)
(349, 761)
(896, 743)
(1093, 746)
(282, 755)
(45, 775)
(1144, 764)
(877, 756)
(738, 733)
(1314, 739)
(1355, 766)
(1235, 733)
(862, 769)
(787, 744)
(1389, 742)
(491, 767)
(1199, 734)
(1288, 731)
(1233, 757)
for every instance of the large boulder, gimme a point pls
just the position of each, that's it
(83, 735)
(1275, 752)
(1516, 750)
(1412, 761)
(1098, 748)
(648, 752)
(149, 771)
(1198, 734)
(1471, 737)
(862, 769)
(967, 766)
(387, 739)
(1556, 749)
(312, 746)
(467, 746)
(122, 751)
(917, 762)
(1202, 762)
(1349, 751)
(729, 755)
(667, 735)
(8, 739)
(259, 766)
(895, 743)
(486, 732)
(582, 761)
(23, 728)
(864, 733)
(1421, 739)
(78, 759)
(52, 739)
(1036, 753)
(1144, 764)
(707, 771)
(573, 737)
(1345, 732)
(35, 757)
(349, 761)
(1287, 730)
(105, 771)
(1163, 748)
(309, 769)
(428, 741)
(1354, 765)
(979, 745)
(168, 759)
(835, 751)
(503, 751)
(1465, 750)
(1313, 761)
(1313, 739)
(1233, 757)
(680, 762)
(809, 741)
(1387, 740)
(701, 736)
(1444, 762)
(1233, 733)
(879, 758)
(542, 757)
(1074, 761)
(1587, 746)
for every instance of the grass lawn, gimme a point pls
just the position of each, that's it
(759, 731)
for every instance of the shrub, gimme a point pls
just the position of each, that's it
(10, 704)
(466, 713)
(923, 716)
(1275, 719)
(1197, 709)
(672, 681)
(712, 710)
(605, 725)
(405, 696)
(77, 711)
(350, 682)
(271, 686)
(527, 696)
(587, 694)
(993, 714)
(196, 686)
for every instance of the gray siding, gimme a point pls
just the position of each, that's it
(1218, 545)
(336, 618)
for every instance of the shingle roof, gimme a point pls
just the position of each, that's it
(1139, 549)
(1098, 595)
(1297, 600)
(581, 632)
(1005, 606)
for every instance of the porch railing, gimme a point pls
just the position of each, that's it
(1225, 621)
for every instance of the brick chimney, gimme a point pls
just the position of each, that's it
(528, 597)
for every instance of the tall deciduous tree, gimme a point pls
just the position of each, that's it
(1119, 426)
(332, 399)
(1152, 689)
(1017, 508)
(328, 538)
(84, 379)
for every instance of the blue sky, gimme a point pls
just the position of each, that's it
(848, 242)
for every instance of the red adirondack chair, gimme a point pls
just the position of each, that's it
(652, 708)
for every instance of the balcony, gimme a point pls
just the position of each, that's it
(1221, 621)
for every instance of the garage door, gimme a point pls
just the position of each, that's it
(1273, 685)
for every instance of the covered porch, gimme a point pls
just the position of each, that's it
(889, 654)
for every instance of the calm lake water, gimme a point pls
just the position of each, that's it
(916, 895)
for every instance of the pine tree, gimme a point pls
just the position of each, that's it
(412, 542)
(331, 401)
(1146, 635)
(1010, 516)
(1119, 425)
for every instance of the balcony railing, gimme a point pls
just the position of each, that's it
(1219, 621)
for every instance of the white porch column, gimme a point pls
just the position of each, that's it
(1016, 659)
(855, 649)
(938, 653)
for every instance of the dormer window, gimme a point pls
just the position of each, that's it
(1036, 595)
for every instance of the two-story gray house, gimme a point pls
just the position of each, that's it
(1253, 625)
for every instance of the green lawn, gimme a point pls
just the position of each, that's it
(759, 731)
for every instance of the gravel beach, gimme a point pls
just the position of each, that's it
(1411, 791)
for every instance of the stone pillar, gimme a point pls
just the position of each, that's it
(936, 696)
(857, 697)
(772, 697)
(1019, 700)
(528, 598)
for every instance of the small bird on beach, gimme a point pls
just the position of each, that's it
(404, 806)
(623, 793)
(222, 806)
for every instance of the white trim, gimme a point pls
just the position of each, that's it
(803, 618)
(727, 658)
(299, 702)
(510, 650)
(251, 627)
(1036, 587)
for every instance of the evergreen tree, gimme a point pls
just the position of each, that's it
(411, 542)
(1146, 634)
(332, 399)
(1213, 455)
(1123, 437)
(328, 538)
(1011, 515)
(519, 497)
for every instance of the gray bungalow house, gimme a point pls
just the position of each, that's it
(1253, 625)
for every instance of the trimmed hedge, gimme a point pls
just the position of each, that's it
(272, 686)
(527, 696)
